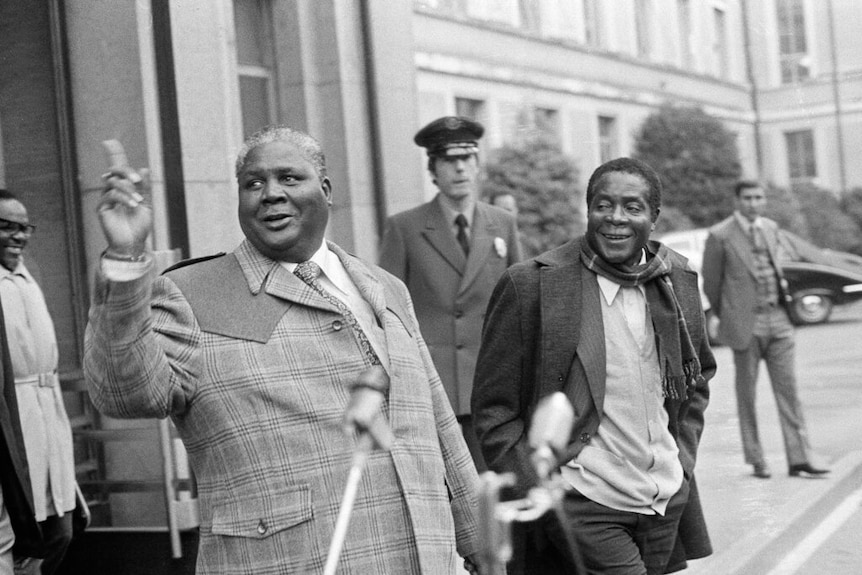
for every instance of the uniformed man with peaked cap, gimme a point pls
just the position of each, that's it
(450, 252)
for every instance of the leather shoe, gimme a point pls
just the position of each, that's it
(761, 470)
(805, 468)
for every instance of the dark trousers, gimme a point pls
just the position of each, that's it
(608, 542)
(57, 534)
(472, 440)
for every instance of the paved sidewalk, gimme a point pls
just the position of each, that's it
(753, 522)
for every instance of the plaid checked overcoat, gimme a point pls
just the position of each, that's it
(253, 366)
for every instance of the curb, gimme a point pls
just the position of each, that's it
(762, 548)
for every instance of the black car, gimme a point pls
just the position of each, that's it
(818, 279)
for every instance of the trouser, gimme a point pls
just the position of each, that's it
(472, 440)
(773, 342)
(56, 534)
(7, 540)
(607, 541)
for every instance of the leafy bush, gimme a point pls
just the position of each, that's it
(697, 159)
(545, 183)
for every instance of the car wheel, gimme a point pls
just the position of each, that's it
(810, 308)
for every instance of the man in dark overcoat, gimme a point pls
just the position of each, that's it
(614, 321)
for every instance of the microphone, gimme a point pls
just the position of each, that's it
(549, 433)
(363, 410)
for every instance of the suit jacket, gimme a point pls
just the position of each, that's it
(542, 334)
(730, 278)
(450, 291)
(14, 474)
(254, 366)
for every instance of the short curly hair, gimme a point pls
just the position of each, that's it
(628, 166)
(308, 145)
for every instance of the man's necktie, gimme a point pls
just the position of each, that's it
(461, 222)
(308, 272)
(757, 237)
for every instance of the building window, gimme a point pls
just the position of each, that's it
(547, 122)
(792, 44)
(473, 109)
(254, 51)
(643, 18)
(593, 23)
(683, 15)
(719, 42)
(530, 17)
(800, 155)
(608, 139)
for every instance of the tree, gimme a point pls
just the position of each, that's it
(696, 158)
(545, 183)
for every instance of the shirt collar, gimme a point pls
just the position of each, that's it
(747, 224)
(450, 214)
(610, 288)
(330, 266)
(21, 270)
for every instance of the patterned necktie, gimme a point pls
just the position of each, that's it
(308, 272)
(461, 222)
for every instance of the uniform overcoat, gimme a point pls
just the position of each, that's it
(253, 366)
(450, 291)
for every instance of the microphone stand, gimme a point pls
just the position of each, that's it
(363, 450)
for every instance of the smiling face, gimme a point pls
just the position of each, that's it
(12, 243)
(283, 202)
(457, 177)
(620, 219)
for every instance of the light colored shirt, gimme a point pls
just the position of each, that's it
(45, 425)
(632, 462)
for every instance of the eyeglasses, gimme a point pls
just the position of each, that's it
(11, 228)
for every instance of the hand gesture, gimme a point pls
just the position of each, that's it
(124, 209)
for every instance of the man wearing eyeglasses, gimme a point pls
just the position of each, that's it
(45, 425)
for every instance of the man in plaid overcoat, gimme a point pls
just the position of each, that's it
(254, 367)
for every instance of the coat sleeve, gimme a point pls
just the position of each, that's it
(141, 353)
(516, 253)
(713, 271)
(461, 477)
(503, 382)
(393, 253)
(691, 416)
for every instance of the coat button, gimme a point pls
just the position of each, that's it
(459, 346)
(585, 437)
(337, 325)
(261, 527)
(459, 313)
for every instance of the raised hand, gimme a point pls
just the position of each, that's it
(125, 212)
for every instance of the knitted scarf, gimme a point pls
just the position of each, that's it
(680, 366)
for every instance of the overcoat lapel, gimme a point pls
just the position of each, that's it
(572, 329)
(591, 343)
(438, 233)
(740, 243)
(481, 244)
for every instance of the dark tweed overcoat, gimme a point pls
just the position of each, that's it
(543, 333)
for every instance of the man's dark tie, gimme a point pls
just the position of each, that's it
(461, 222)
(308, 272)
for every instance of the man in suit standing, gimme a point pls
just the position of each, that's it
(748, 296)
(19, 531)
(450, 252)
(253, 354)
(614, 321)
